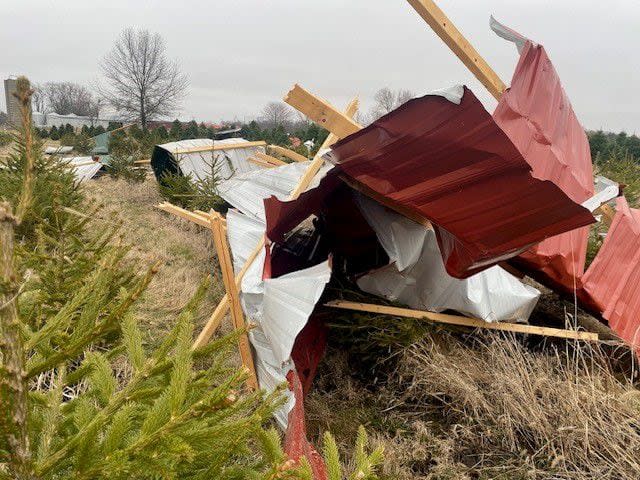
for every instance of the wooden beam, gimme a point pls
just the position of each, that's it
(463, 321)
(276, 162)
(220, 146)
(261, 163)
(290, 154)
(460, 46)
(313, 168)
(607, 212)
(321, 112)
(202, 220)
(224, 258)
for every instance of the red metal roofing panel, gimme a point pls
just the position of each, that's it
(433, 160)
(538, 118)
(613, 278)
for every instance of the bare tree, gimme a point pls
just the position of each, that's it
(388, 100)
(39, 99)
(275, 114)
(67, 97)
(143, 83)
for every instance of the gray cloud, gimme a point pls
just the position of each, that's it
(241, 54)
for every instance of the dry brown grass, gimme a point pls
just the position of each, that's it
(184, 250)
(514, 413)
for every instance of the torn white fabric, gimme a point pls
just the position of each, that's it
(605, 189)
(225, 164)
(507, 33)
(247, 192)
(454, 93)
(288, 303)
(84, 168)
(417, 276)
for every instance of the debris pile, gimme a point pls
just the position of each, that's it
(435, 205)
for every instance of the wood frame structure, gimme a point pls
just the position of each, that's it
(237, 316)
(464, 321)
(321, 112)
(459, 45)
(220, 146)
(276, 162)
(290, 154)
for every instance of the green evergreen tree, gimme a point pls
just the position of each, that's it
(176, 130)
(54, 134)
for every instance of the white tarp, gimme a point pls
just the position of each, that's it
(605, 189)
(225, 163)
(416, 275)
(247, 192)
(84, 168)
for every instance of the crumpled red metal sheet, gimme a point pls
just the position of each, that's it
(613, 278)
(434, 161)
(538, 118)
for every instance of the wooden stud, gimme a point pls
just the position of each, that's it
(608, 213)
(237, 316)
(276, 162)
(313, 168)
(202, 220)
(290, 154)
(460, 46)
(321, 112)
(463, 321)
(261, 163)
(220, 146)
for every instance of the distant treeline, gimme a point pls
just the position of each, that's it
(605, 145)
(277, 135)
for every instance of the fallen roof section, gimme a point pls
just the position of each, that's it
(434, 161)
(612, 279)
(537, 116)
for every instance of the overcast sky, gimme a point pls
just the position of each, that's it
(241, 54)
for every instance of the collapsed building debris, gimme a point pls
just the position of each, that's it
(424, 206)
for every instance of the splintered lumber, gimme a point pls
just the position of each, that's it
(463, 321)
(313, 168)
(290, 154)
(261, 163)
(200, 219)
(321, 112)
(237, 316)
(460, 46)
(607, 212)
(276, 162)
(220, 146)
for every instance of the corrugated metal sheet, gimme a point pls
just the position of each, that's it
(536, 114)
(432, 160)
(225, 163)
(613, 278)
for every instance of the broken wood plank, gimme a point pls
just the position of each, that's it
(261, 163)
(202, 220)
(220, 146)
(218, 314)
(607, 212)
(321, 112)
(237, 316)
(317, 161)
(276, 162)
(290, 154)
(463, 321)
(447, 31)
